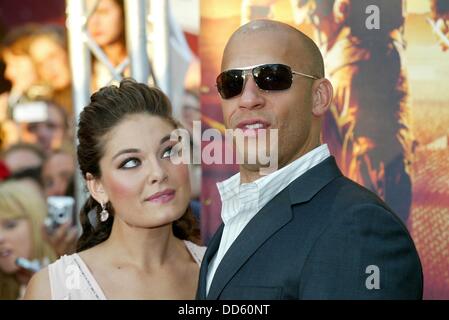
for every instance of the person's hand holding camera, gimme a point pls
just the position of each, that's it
(62, 239)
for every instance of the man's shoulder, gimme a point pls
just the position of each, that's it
(327, 195)
(324, 186)
(344, 190)
(343, 198)
(352, 202)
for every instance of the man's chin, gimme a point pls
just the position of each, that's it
(250, 167)
(261, 169)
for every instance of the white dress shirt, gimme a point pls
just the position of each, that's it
(241, 202)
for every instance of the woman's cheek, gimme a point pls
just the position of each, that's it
(183, 181)
(22, 238)
(121, 186)
(181, 175)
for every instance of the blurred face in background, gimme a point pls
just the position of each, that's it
(49, 134)
(22, 212)
(51, 61)
(15, 242)
(19, 70)
(106, 23)
(57, 174)
(20, 159)
(442, 25)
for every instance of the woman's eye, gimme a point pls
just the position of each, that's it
(11, 224)
(130, 163)
(169, 152)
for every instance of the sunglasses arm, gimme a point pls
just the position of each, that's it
(305, 75)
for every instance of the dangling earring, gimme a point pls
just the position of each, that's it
(104, 215)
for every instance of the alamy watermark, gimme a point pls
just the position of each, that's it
(372, 282)
(252, 145)
(373, 20)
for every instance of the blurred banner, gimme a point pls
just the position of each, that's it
(388, 125)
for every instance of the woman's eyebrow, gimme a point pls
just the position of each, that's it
(165, 138)
(132, 150)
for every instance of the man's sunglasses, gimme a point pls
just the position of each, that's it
(270, 77)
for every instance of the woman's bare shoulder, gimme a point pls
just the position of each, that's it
(38, 287)
(92, 254)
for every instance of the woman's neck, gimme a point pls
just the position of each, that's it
(143, 248)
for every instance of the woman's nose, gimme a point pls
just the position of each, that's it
(157, 173)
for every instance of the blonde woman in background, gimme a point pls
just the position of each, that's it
(22, 213)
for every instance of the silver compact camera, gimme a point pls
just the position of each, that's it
(60, 211)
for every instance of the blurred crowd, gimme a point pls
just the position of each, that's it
(37, 143)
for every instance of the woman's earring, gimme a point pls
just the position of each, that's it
(104, 215)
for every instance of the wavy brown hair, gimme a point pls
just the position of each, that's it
(107, 108)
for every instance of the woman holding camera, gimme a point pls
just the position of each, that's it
(142, 244)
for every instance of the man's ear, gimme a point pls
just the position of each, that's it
(322, 96)
(96, 189)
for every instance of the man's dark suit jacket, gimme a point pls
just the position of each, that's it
(322, 237)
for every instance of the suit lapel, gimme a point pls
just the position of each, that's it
(311, 182)
(267, 221)
(212, 249)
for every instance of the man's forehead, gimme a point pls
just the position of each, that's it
(267, 36)
(257, 51)
(244, 65)
(280, 44)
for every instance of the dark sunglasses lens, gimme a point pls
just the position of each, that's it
(273, 77)
(230, 83)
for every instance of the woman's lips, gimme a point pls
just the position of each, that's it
(5, 253)
(162, 197)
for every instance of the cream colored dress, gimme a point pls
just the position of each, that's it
(71, 279)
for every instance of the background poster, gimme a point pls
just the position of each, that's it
(390, 119)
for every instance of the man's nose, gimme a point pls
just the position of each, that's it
(251, 96)
(41, 130)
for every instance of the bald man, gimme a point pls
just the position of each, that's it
(303, 231)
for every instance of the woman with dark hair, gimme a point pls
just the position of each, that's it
(138, 231)
(107, 27)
